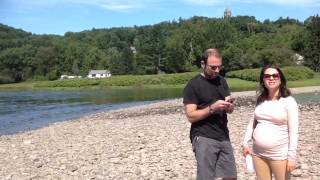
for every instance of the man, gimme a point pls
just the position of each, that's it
(207, 100)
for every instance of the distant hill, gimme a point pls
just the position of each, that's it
(7, 32)
(166, 47)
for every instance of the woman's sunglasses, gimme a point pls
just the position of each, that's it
(274, 76)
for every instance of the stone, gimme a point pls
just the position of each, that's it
(145, 142)
(296, 173)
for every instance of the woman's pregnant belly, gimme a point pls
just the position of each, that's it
(270, 140)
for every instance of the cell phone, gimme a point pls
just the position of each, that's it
(231, 100)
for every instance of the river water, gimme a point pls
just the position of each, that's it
(26, 110)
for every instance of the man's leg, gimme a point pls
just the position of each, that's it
(226, 164)
(279, 169)
(206, 156)
(262, 168)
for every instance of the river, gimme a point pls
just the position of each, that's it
(26, 110)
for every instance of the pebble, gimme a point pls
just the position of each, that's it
(145, 142)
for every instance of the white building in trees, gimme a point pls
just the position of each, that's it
(99, 74)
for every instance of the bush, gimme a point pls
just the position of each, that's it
(245, 74)
(165, 79)
(291, 73)
(6, 80)
(39, 78)
(297, 73)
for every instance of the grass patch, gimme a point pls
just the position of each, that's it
(315, 81)
(23, 86)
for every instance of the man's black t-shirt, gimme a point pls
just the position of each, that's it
(204, 92)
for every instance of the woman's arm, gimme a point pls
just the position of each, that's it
(248, 137)
(293, 128)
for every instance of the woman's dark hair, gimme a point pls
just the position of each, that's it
(263, 93)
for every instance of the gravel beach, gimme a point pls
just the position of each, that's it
(143, 142)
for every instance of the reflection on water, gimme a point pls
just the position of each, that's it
(307, 97)
(20, 111)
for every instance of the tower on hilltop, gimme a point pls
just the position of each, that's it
(227, 13)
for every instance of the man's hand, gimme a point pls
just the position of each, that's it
(194, 114)
(230, 99)
(220, 105)
(230, 108)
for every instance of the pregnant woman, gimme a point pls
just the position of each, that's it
(274, 128)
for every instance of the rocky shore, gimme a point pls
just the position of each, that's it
(145, 142)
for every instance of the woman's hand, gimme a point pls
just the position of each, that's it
(246, 151)
(291, 165)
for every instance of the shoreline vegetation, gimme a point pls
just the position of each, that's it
(143, 81)
(142, 142)
(166, 47)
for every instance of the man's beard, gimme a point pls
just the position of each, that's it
(211, 75)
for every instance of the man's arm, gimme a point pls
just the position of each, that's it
(194, 115)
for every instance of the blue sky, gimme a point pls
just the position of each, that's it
(60, 16)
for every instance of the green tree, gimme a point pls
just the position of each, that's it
(312, 46)
(44, 63)
(150, 46)
(14, 62)
(219, 34)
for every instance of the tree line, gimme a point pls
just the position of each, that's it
(166, 47)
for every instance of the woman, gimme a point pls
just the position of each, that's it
(274, 128)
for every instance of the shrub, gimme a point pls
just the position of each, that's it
(166, 79)
(6, 80)
(291, 73)
(297, 73)
(245, 74)
(39, 78)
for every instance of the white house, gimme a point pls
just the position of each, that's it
(298, 58)
(99, 74)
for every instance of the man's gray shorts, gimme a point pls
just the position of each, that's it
(215, 159)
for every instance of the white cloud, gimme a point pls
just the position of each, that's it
(129, 5)
(297, 3)
(204, 2)
(116, 5)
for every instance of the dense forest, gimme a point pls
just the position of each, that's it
(167, 47)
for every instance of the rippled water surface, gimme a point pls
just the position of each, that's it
(21, 111)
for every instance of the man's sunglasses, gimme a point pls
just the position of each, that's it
(214, 67)
(274, 76)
